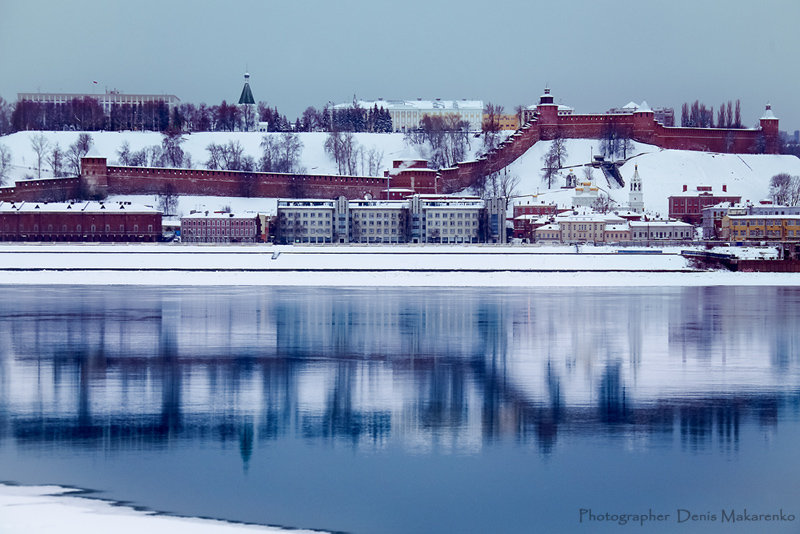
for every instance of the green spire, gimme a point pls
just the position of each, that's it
(247, 94)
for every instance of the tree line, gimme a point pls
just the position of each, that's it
(697, 115)
(87, 114)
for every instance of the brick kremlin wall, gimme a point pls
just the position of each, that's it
(641, 126)
(102, 179)
(47, 189)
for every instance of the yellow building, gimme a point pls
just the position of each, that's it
(761, 227)
(506, 122)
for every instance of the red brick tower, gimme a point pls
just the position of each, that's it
(547, 112)
(94, 176)
(769, 128)
(644, 124)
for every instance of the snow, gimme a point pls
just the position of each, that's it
(356, 266)
(41, 509)
(313, 157)
(663, 172)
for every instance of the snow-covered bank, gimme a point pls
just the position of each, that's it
(276, 259)
(43, 509)
(360, 266)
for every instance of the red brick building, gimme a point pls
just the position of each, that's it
(78, 221)
(689, 206)
(526, 212)
(216, 227)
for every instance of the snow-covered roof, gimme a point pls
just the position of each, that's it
(768, 114)
(68, 207)
(644, 107)
(631, 105)
(552, 226)
(659, 222)
(617, 228)
(771, 217)
(219, 215)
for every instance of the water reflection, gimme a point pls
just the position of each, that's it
(132, 368)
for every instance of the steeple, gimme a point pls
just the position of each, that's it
(635, 200)
(247, 94)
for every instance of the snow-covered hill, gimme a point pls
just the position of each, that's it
(663, 172)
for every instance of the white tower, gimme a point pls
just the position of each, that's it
(635, 199)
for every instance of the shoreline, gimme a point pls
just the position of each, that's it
(398, 279)
(53, 508)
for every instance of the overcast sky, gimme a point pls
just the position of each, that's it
(593, 54)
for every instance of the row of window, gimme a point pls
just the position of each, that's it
(77, 228)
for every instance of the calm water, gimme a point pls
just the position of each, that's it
(410, 410)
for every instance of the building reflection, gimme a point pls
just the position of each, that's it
(445, 370)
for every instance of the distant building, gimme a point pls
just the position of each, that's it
(584, 225)
(79, 221)
(526, 212)
(661, 230)
(407, 114)
(107, 100)
(664, 116)
(714, 215)
(761, 227)
(218, 227)
(688, 206)
(506, 122)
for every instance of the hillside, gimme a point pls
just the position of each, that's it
(663, 172)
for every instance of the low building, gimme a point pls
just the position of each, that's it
(79, 221)
(528, 210)
(660, 230)
(548, 233)
(714, 215)
(505, 122)
(585, 226)
(617, 233)
(688, 207)
(220, 227)
(761, 227)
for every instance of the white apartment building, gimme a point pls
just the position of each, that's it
(407, 114)
(418, 219)
(307, 221)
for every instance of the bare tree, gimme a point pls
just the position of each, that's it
(500, 184)
(40, 146)
(785, 189)
(343, 148)
(520, 112)
(553, 160)
(374, 161)
(171, 148)
(168, 200)
(56, 161)
(78, 150)
(603, 203)
(5, 163)
(491, 125)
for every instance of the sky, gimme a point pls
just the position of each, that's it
(593, 55)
